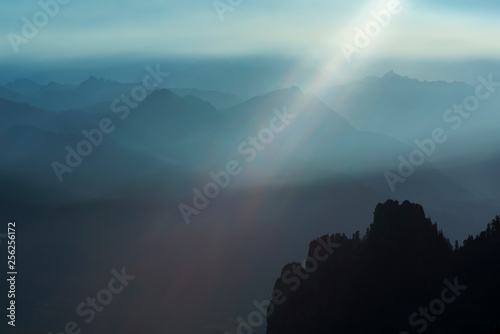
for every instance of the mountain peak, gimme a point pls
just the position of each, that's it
(406, 223)
(391, 74)
(92, 78)
(405, 211)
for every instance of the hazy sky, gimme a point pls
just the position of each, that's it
(310, 31)
(313, 28)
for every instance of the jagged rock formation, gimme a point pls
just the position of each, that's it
(403, 276)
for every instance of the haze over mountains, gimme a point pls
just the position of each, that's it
(363, 135)
(163, 162)
(322, 171)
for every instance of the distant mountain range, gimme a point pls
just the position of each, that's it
(404, 108)
(187, 135)
(314, 173)
(92, 94)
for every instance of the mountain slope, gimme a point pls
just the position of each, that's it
(406, 109)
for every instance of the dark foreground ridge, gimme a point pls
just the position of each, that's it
(402, 277)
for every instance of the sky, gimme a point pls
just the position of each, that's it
(311, 31)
